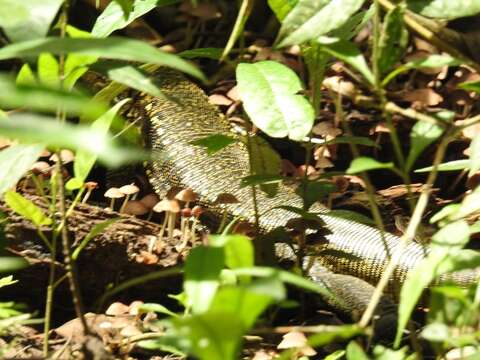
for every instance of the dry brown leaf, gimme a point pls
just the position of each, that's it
(217, 99)
(296, 339)
(147, 258)
(233, 94)
(339, 85)
(426, 97)
(327, 130)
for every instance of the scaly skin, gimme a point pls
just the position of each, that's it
(170, 125)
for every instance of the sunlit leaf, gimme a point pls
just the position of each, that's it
(158, 308)
(32, 128)
(474, 156)
(311, 19)
(348, 52)
(26, 208)
(202, 271)
(48, 70)
(444, 9)
(11, 264)
(362, 163)
(16, 160)
(282, 7)
(421, 136)
(25, 20)
(454, 165)
(355, 352)
(111, 48)
(113, 17)
(269, 82)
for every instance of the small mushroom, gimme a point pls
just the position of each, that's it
(113, 193)
(187, 195)
(67, 156)
(135, 207)
(197, 211)
(128, 191)
(90, 186)
(225, 199)
(150, 201)
(171, 208)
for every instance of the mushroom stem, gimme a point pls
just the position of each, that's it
(171, 225)
(86, 196)
(164, 225)
(223, 222)
(127, 197)
(112, 204)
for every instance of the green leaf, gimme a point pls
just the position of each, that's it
(96, 230)
(202, 271)
(445, 212)
(11, 264)
(471, 86)
(350, 215)
(474, 155)
(393, 40)
(248, 302)
(158, 308)
(421, 136)
(454, 235)
(354, 25)
(269, 82)
(358, 140)
(239, 252)
(316, 191)
(126, 6)
(16, 160)
(348, 52)
(436, 332)
(84, 159)
(32, 128)
(355, 352)
(311, 19)
(132, 77)
(26, 20)
(282, 7)
(113, 17)
(335, 333)
(111, 48)
(454, 165)
(363, 163)
(48, 70)
(207, 53)
(214, 143)
(25, 76)
(444, 9)
(208, 336)
(470, 204)
(39, 97)
(26, 208)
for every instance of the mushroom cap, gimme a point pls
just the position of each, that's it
(129, 189)
(90, 185)
(167, 205)
(66, 155)
(114, 193)
(40, 167)
(225, 198)
(186, 212)
(150, 200)
(186, 195)
(135, 207)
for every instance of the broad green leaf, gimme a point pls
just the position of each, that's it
(26, 208)
(214, 143)
(315, 191)
(113, 17)
(208, 336)
(111, 48)
(363, 163)
(459, 260)
(264, 162)
(202, 271)
(335, 333)
(48, 70)
(354, 25)
(96, 230)
(11, 264)
(7, 280)
(282, 7)
(444, 9)
(348, 52)
(470, 204)
(445, 212)
(158, 308)
(26, 20)
(242, 17)
(454, 165)
(421, 136)
(271, 83)
(436, 332)
(84, 159)
(32, 128)
(126, 6)
(474, 155)
(133, 77)
(311, 19)
(16, 160)
(38, 97)
(355, 352)
(454, 235)
(239, 252)
(393, 40)
(471, 86)
(26, 76)
(207, 53)
(248, 302)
